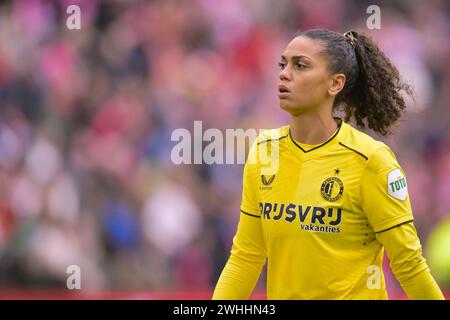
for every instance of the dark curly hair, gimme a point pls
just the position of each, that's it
(372, 91)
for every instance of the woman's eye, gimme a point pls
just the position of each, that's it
(282, 65)
(300, 66)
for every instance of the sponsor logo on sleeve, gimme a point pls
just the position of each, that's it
(396, 185)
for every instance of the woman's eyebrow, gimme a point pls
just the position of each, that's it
(296, 57)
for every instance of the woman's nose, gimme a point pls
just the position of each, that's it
(285, 74)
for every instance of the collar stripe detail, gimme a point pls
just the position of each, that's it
(354, 150)
(272, 139)
(306, 151)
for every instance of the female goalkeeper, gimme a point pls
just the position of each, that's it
(328, 199)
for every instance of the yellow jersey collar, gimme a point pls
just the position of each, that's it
(321, 148)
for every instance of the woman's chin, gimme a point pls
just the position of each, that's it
(291, 109)
(285, 105)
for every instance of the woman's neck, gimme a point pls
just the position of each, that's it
(312, 129)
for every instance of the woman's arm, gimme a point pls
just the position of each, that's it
(248, 252)
(243, 268)
(407, 262)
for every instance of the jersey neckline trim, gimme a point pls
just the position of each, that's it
(321, 145)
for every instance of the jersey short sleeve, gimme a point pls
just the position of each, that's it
(250, 204)
(384, 191)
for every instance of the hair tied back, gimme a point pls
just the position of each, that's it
(352, 37)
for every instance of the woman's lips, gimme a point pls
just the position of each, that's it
(283, 91)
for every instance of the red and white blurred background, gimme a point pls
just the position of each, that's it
(86, 118)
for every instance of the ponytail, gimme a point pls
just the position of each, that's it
(372, 91)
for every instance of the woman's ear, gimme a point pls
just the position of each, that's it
(337, 84)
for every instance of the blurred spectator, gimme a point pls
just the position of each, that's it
(86, 118)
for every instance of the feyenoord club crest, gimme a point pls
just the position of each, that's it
(332, 189)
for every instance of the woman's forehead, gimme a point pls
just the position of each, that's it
(303, 46)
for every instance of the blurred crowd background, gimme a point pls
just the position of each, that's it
(86, 117)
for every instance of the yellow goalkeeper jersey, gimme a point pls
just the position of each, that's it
(315, 213)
